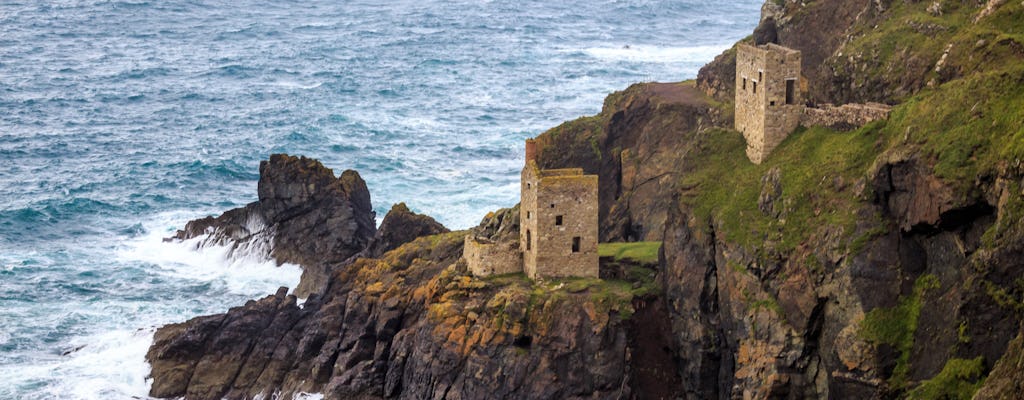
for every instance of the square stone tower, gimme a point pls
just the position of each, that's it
(768, 100)
(558, 220)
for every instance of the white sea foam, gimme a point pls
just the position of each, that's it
(297, 85)
(246, 269)
(110, 362)
(296, 396)
(107, 365)
(656, 54)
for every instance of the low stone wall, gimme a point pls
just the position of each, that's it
(846, 116)
(487, 258)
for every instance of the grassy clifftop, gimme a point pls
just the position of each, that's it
(819, 248)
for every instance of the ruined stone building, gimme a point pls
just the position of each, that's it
(769, 105)
(557, 227)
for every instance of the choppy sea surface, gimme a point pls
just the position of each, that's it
(122, 120)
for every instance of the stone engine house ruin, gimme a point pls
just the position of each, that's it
(557, 227)
(768, 101)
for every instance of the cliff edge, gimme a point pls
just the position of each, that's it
(881, 261)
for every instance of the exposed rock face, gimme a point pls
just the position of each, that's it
(774, 327)
(766, 32)
(1006, 382)
(304, 215)
(637, 146)
(414, 324)
(898, 273)
(400, 226)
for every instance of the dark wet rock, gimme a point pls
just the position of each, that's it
(766, 32)
(304, 215)
(411, 325)
(400, 226)
(1006, 382)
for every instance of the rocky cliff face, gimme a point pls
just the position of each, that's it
(882, 262)
(304, 215)
(634, 145)
(412, 323)
(866, 264)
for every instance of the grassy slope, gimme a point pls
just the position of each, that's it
(643, 252)
(966, 127)
(968, 123)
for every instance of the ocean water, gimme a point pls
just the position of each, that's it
(122, 120)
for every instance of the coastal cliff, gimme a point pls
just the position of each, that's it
(879, 262)
(305, 215)
(406, 319)
(875, 262)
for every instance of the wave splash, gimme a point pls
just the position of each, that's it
(239, 266)
(174, 281)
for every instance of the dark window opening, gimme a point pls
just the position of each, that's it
(527, 215)
(755, 87)
(744, 83)
(527, 185)
(576, 244)
(529, 240)
(552, 205)
(790, 91)
(772, 103)
(558, 220)
(522, 341)
(760, 76)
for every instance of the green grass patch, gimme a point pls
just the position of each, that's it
(817, 168)
(958, 380)
(968, 125)
(896, 326)
(642, 252)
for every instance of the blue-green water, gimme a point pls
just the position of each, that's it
(121, 120)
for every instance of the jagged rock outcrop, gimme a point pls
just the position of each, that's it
(304, 215)
(884, 262)
(400, 226)
(414, 324)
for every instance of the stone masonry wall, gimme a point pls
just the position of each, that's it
(846, 116)
(749, 114)
(763, 114)
(574, 199)
(528, 216)
(486, 259)
(781, 117)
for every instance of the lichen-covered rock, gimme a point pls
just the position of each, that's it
(304, 215)
(412, 324)
(400, 226)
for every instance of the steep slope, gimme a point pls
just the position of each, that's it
(636, 146)
(873, 263)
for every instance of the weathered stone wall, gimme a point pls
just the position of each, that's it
(846, 116)
(764, 113)
(571, 197)
(558, 220)
(486, 258)
(528, 216)
(750, 92)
